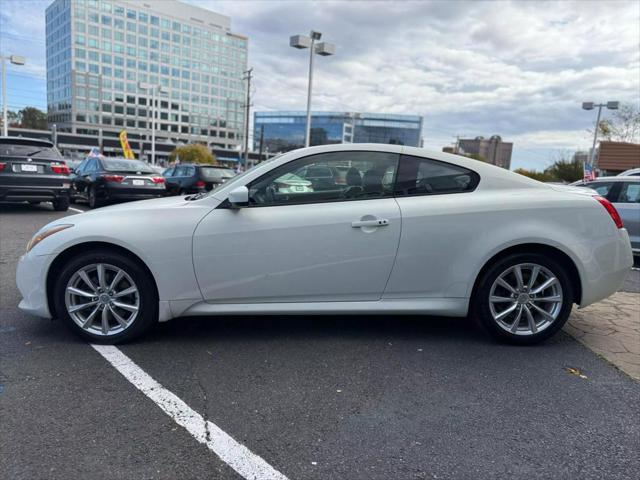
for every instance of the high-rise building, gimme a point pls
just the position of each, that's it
(492, 150)
(284, 131)
(106, 57)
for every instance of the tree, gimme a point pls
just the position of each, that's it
(565, 170)
(622, 126)
(31, 117)
(194, 153)
(540, 176)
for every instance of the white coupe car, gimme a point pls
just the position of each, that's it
(410, 231)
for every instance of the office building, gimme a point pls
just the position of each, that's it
(105, 59)
(492, 150)
(284, 131)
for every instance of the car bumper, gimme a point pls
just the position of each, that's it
(31, 279)
(605, 267)
(125, 192)
(21, 193)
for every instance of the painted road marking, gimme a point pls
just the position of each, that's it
(76, 210)
(234, 454)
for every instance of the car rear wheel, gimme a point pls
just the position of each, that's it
(524, 298)
(106, 297)
(61, 204)
(94, 201)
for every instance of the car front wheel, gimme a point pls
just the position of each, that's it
(106, 297)
(524, 298)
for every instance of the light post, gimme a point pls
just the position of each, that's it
(591, 106)
(323, 48)
(15, 60)
(153, 88)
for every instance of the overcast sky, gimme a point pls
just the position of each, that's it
(518, 69)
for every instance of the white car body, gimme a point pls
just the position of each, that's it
(307, 258)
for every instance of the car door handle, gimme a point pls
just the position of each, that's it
(376, 222)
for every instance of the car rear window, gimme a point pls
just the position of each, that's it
(211, 173)
(118, 165)
(41, 152)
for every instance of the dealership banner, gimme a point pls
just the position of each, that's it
(126, 148)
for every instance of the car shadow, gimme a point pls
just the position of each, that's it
(274, 327)
(24, 207)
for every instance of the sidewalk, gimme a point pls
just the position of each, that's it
(611, 328)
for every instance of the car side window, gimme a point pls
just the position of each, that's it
(190, 171)
(630, 193)
(602, 188)
(423, 176)
(316, 179)
(180, 172)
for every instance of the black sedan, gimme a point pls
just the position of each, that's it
(33, 170)
(100, 180)
(195, 178)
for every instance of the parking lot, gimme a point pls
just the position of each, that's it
(359, 397)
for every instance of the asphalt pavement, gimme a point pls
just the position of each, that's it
(316, 397)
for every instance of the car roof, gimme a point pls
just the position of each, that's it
(615, 179)
(39, 142)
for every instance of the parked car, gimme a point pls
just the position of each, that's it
(425, 233)
(100, 180)
(624, 193)
(634, 172)
(188, 178)
(33, 170)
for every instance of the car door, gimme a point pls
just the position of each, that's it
(298, 245)
(439, 224)
(628, 205)
(83, 178)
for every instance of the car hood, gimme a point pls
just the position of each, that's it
(152, 204)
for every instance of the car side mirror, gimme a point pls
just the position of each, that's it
(239, 197)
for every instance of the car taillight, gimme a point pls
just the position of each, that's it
(2, 165)
(611, 210)
(157, 179)
(60, 169)
(199, 184)
(113, 178)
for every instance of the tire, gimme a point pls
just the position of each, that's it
(61, 204)
(92, 198)
(131, 324)
(491, 299)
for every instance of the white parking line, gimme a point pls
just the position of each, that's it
(234, 454)
(76, 210)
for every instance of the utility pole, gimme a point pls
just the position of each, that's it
(248, 76)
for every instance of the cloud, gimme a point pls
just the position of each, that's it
(518, 69)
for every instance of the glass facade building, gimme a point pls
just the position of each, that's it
(100, 51)
(284, 131)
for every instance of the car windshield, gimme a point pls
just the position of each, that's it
(43, 152)
(123, 165)
(238, 178)
(213, 173)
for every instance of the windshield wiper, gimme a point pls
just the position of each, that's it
(34, 153)
(195, 196)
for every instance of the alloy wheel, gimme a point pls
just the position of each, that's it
(525, 299)
(102, 299)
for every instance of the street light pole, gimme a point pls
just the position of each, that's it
(324, 49)
(591, 106)
(15, 60)
(307, 132)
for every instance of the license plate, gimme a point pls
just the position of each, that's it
(138, 182)
(29, 168)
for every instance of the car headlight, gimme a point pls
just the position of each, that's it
(38, 237)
